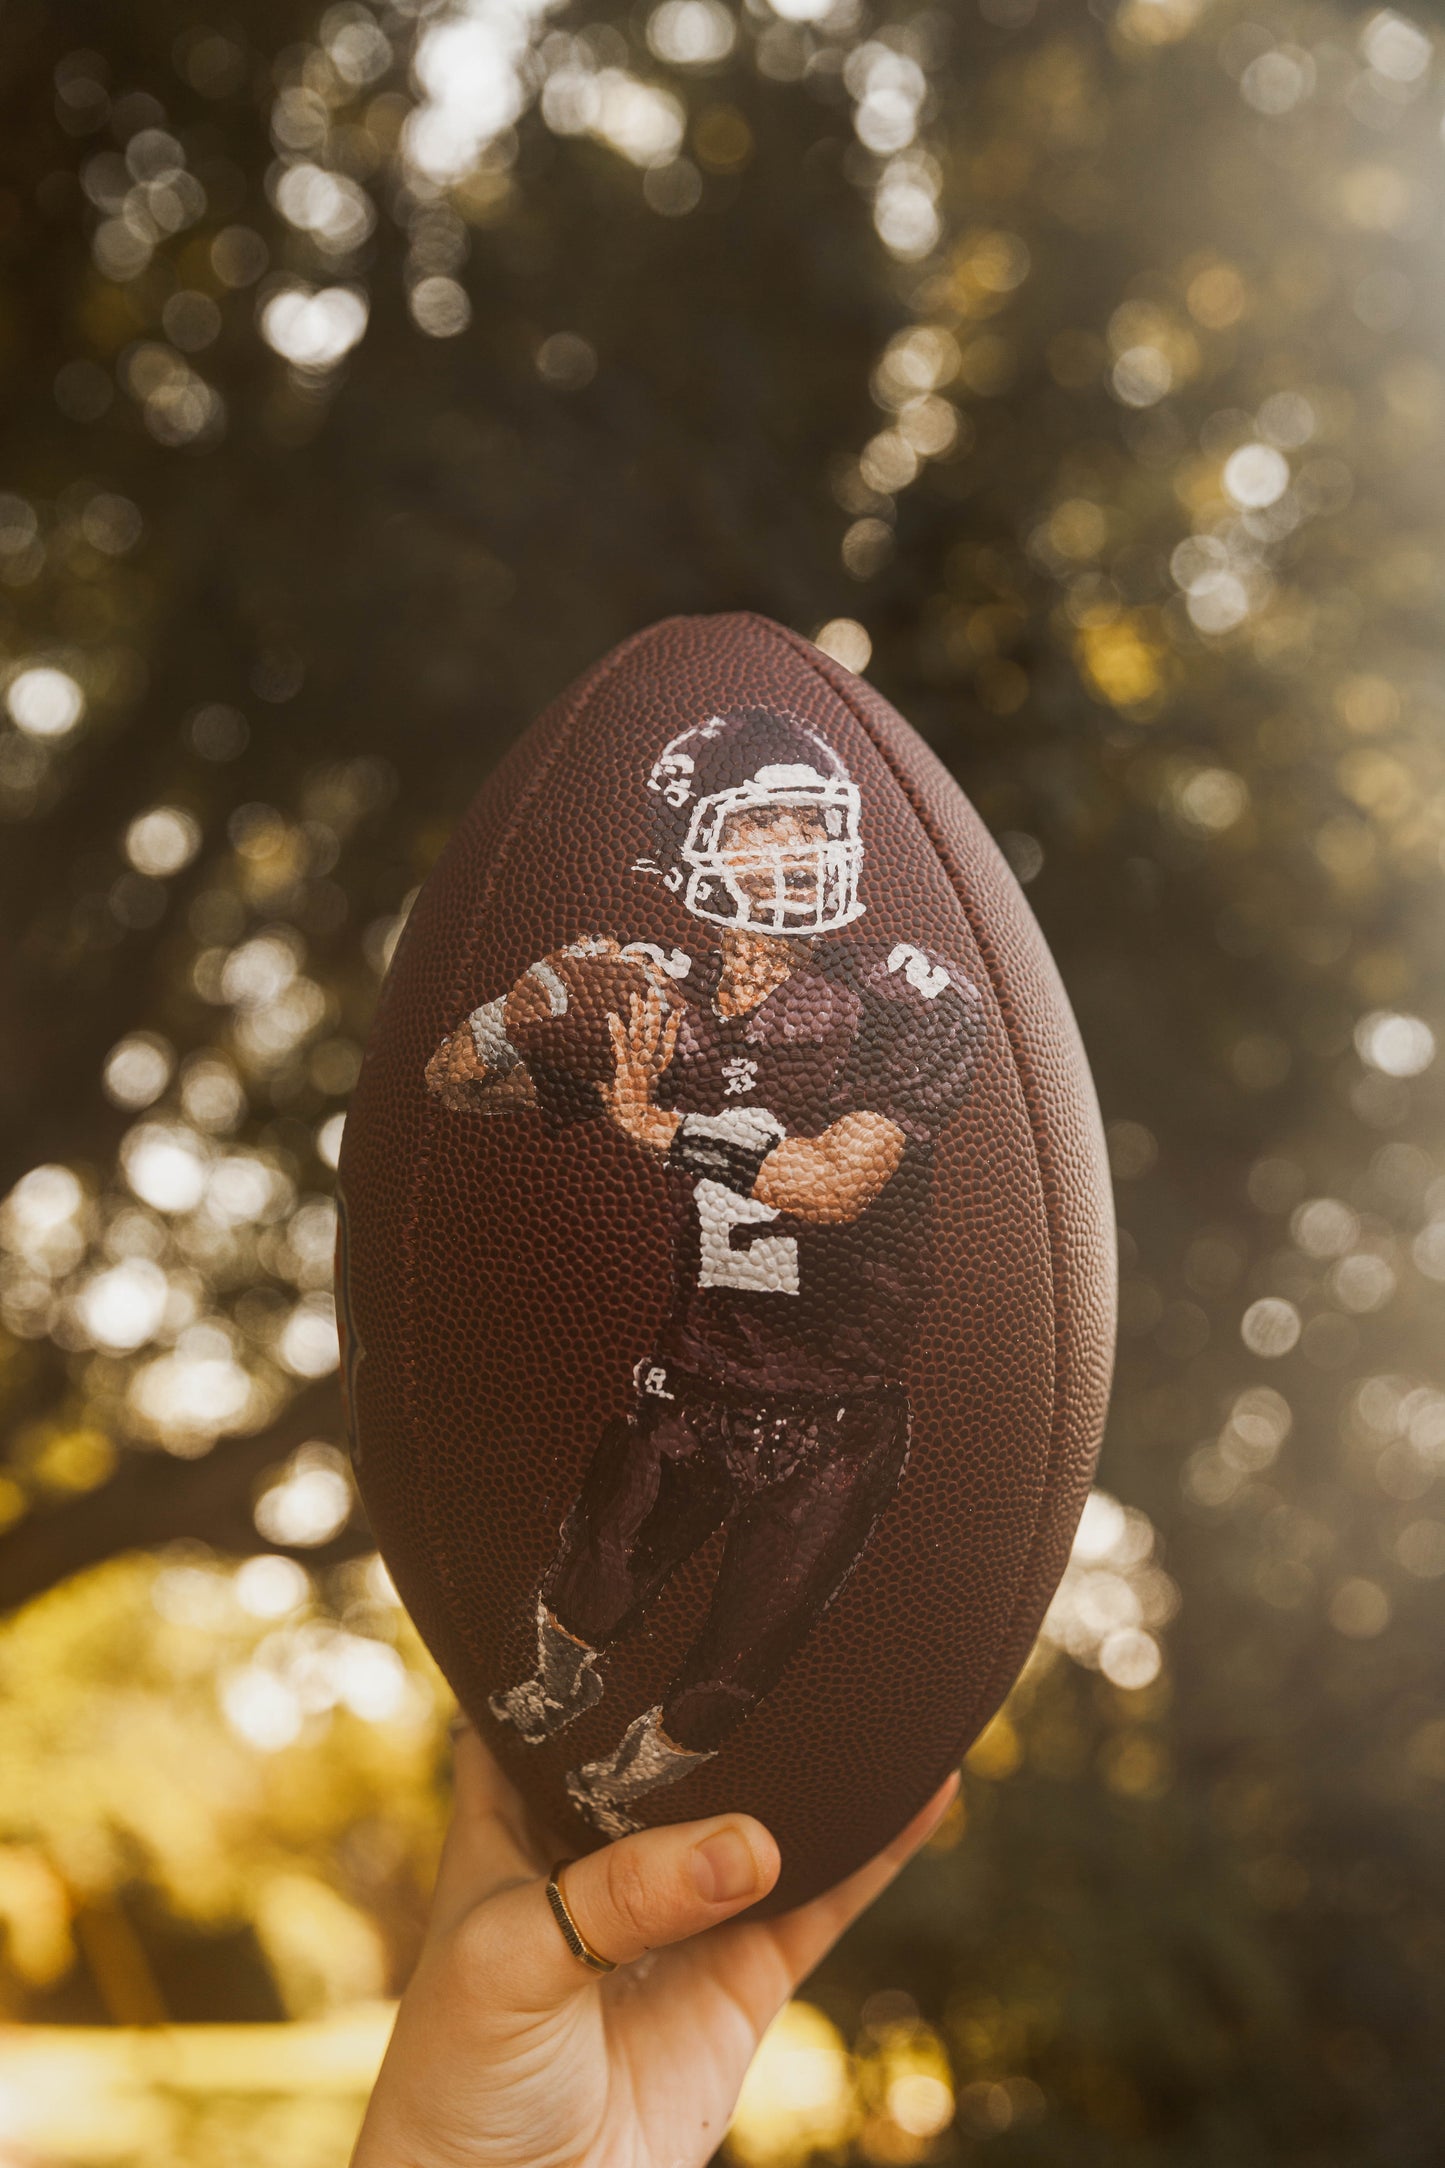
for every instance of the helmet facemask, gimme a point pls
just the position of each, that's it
(777, 854)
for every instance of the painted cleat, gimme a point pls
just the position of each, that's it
(645, 1760)
(564, 1686)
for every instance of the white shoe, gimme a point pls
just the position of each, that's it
(645, 1760)
(564, 1685)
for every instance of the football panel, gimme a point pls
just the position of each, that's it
(1057, 1081)
(387, 1132)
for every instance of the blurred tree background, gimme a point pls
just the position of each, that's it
(1076, 372)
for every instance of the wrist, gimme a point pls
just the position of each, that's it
(658, 1128)
(728, 1148)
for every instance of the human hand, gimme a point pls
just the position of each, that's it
(509, 2053)
(641, 1050)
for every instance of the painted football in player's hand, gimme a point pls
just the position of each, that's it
(727, 1265)
(560, 1016)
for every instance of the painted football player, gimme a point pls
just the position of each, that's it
(793, 1084)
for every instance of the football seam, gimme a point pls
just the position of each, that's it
(458, 1615)
(807, 654)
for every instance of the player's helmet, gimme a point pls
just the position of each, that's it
(758, 818)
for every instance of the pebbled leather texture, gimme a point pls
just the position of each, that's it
(506, 1274)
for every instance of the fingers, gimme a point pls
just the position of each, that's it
(628, 1040)
(644, 1043)
(804, 1937)
(647, 1025)
(486, 1845)
(642, 1893)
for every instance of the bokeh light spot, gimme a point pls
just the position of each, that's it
(1359, 1609)
(162, 841)
(1396, 1045)
(310, 1503)
(314, 330)
(1256, 475)
(566, 361)
(439, 307)
(270, 1587)
(137, 1069)
(846, 641)
(1270, 1327)
(164, 1165)
(44, 702)
(691, 33)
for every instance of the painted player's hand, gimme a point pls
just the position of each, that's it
(641, 1050)
(509, 2053)
(456, 1069)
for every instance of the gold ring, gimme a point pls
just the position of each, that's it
(572, 1934)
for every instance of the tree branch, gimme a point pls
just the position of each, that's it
(153, 1498)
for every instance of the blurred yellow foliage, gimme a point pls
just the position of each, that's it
(34, 1916)
(997, 1751)
(799, 2096)
(61, 1459)
(12, 1501)
(1215, 295)
(1379, 782)
(122, 1766)
(195, 2096)
(1078, 528)
(1121, 663)
(323, 1952)
(1156, 22)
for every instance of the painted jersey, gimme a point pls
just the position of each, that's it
(768, 1302)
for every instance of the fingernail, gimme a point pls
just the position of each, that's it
(724, 1868)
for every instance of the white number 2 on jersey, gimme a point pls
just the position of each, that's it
(927, 979)
(768, 1265)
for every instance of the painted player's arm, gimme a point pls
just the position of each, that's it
(830, 1179)
(456, 1069)
(477, 1064)
(931, 1028)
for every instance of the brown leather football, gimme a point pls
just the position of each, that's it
(727, 1261)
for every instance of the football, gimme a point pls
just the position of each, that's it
(726, 1269)
(558, 1019)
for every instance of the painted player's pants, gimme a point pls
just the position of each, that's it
(797, 1481)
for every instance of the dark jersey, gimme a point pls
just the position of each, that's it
(768, 1302)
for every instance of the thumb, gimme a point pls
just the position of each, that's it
(638, 1894)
